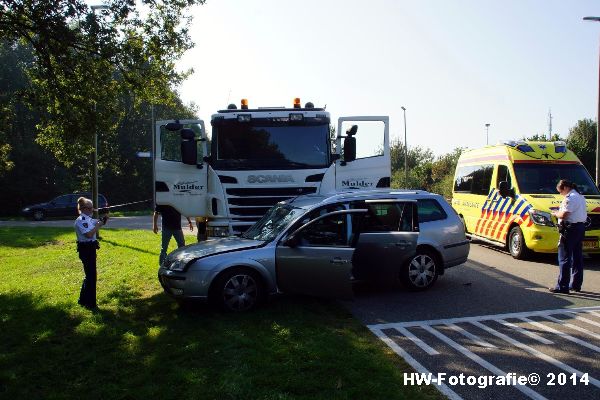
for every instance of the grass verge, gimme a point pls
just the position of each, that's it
(141, 345)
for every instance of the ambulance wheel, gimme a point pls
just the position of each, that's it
(516, 243)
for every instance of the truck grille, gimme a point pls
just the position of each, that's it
(248, 205)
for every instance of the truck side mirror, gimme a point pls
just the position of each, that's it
(349, 149)
(189, 151)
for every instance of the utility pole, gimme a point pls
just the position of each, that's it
(487, 136)
(597, 19)
(405, 150)
(550, 124)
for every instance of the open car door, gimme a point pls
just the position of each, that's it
(316, 259)
(365, 153)
(181, 174)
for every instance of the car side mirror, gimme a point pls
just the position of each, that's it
(189, 151)
(291, 241)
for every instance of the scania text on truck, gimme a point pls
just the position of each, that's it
(259, 157)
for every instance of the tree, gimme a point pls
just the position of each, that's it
(582, 141)
(543, 138)
(86, 63)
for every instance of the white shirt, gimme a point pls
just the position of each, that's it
(84, 224)
(574, 204)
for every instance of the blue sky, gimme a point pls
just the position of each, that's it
(454, 65)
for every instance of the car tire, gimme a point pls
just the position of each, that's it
(421, 271)
(237, 290)
(39, 215)
(516, 244)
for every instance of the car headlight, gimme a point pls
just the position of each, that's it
(541, 218)
(178, 265)
(217, 231)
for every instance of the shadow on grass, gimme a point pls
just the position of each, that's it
(116, 244)
(22, 237)
(139, 348)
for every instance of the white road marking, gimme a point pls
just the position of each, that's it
(561, 334)
(424, 346)
(428, 326)
(469, 354)
(574, 327)
(536, 353)
(471, 336)
(413, 363)
(524, 331)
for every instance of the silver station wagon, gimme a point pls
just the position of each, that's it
(319, 245)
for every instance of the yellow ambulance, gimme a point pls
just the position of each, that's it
(505, 193)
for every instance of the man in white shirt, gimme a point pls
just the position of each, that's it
(571, 216)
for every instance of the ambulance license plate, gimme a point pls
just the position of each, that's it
(590, 244)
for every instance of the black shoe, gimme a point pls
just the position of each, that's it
(557, 290)
(575, 290)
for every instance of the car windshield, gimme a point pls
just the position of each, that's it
(273, 222)
(270, 145)
(542, 178)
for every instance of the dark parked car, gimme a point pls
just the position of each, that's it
(62, 206)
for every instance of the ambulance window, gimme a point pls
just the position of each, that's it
(503, 175)
(482, 178)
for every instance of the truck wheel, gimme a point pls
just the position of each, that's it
(237, 290)
(421, 272)
(516, 244)
(39, 215)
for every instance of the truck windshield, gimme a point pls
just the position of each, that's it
(273, 222)
(542, 178)
(256, 145)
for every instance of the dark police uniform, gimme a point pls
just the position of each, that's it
(570, 246)
(86, 247)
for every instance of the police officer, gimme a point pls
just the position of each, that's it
(86, 229)
(571, 216)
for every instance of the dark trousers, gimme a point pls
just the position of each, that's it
(570, 258)
(87, 255)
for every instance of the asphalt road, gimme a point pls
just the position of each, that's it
(461, 326)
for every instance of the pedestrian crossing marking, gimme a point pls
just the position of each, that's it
(432, 327)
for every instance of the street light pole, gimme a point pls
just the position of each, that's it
(95, 158)
(405, 150)
(487, 134)
(597, 19)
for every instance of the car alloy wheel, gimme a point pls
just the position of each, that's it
(240, 292)
(421, 272)
(38, 215)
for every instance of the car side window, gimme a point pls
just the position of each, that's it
(62, 200)
(430, 210)
(329, 231)
(382, 217)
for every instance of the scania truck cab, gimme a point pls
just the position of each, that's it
(258, 157)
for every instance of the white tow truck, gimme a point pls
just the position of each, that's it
(261, 156)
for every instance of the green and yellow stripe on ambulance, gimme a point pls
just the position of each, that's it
(498, 214)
